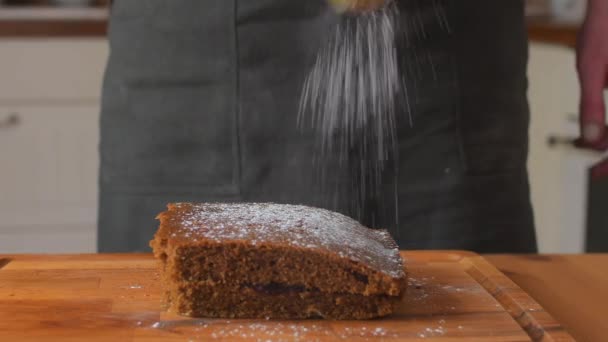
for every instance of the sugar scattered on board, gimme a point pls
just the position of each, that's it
(202, 329)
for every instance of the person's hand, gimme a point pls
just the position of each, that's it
(357, 5)
(592, 65)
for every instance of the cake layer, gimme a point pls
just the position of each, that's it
(281, 225)
(274, 301)
(240, 263)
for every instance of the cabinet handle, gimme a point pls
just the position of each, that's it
(555, 140)
(12, 120)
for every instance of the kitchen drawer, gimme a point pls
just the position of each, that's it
(51, 70)
(48, 165)
(74, 238)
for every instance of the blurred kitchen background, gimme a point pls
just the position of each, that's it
(52, 55)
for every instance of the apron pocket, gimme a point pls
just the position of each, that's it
(170, 15)
(183, 138)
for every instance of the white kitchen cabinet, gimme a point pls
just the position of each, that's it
(49, 114)
(48, 71)
(558, 175)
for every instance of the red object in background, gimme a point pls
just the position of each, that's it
(600, 145)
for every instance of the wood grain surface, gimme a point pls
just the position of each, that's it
(573, 288)
(452, 296)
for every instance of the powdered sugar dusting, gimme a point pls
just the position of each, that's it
(293, 225)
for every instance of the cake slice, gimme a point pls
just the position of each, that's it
(275, 261)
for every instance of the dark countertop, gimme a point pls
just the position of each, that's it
(44, 21)
(552, 31)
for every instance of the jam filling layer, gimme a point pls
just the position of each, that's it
(277, 289)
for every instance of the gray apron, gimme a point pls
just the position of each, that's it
(200, 104)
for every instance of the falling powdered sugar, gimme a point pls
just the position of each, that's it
(354, 87)
(350, 101)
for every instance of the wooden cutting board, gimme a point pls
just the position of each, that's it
(452, 296)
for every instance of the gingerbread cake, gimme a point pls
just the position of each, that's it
(275, 261)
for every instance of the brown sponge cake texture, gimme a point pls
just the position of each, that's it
(262, 260)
